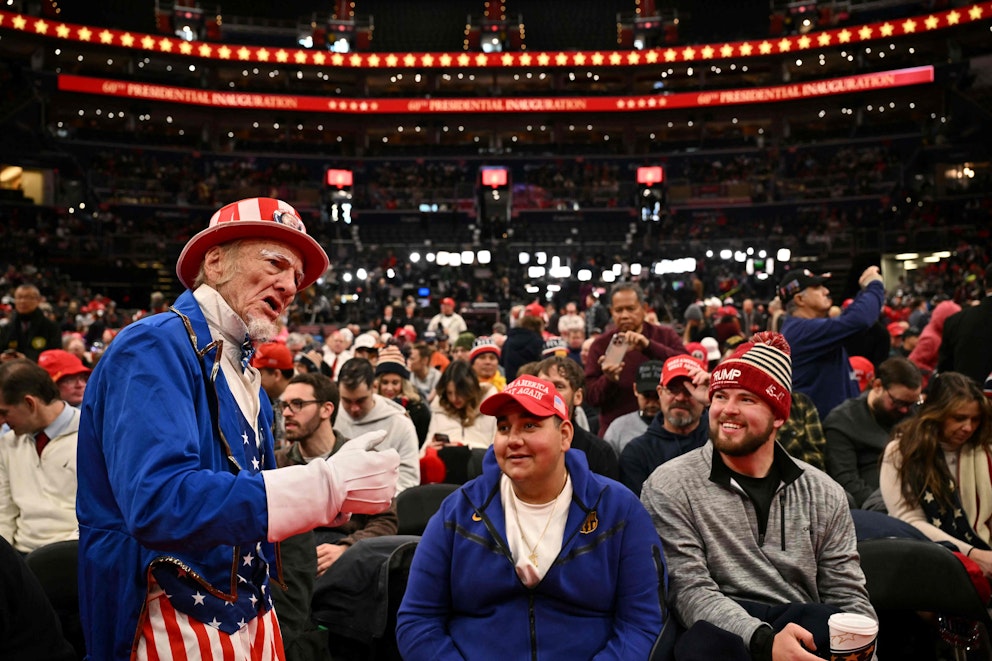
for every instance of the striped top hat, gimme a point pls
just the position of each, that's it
(254, 218)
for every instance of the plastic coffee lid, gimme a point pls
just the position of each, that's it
(854, 623)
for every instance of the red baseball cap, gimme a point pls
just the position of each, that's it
(534, 309)
(727, 311)
(897, 328)
(537, 396)
(59, 363)
(679, 366)
(863, 370)
(447, 300)
(272, 355)
(408, 333)
(254, 218)
(696, 349)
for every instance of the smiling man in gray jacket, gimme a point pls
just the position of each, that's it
(761, 547)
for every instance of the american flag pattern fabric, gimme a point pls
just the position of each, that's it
(260, 208)
(186, 594)
(166, 634)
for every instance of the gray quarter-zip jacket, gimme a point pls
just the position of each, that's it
(709, 528)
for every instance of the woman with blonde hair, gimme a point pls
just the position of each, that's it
(936, 473)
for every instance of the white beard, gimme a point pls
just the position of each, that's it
(261, 330)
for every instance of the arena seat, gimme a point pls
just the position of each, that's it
(908, 575)
(55, 565)
(416, 505)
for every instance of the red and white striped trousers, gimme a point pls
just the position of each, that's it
(168, 635)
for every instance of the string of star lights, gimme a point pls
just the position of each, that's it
(738, 50)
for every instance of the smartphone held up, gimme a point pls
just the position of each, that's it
(616, 350)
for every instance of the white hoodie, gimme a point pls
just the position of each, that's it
(401, 435)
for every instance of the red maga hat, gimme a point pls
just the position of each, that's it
(538, 397)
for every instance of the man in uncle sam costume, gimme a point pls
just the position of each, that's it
(179, 498)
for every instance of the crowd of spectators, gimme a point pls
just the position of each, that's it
(83, 309)
(793, 173)
(88, 321)
(45, 243)
(148, 202)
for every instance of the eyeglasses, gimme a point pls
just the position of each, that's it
(296, 405)
(678, 390)
(902, 403)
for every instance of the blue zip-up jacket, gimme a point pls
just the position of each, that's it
(156, 487)
(598, 601)
(820, 365)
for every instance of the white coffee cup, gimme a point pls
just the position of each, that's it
(852, 634)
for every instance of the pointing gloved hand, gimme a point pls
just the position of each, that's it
(356, 480)
(368, 477)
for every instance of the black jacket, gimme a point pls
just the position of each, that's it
(965, 346)
(601, 457)
(522, 346)
(656, 446)
(30, 334)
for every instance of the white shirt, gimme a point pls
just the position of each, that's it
(38, 494)
(453, 324)
(226, 325)
(534, 532)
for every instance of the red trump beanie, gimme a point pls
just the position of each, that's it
(763, 367)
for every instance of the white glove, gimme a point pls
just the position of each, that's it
(369, 477)
(356, 479)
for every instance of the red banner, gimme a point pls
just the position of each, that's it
(846, 36)
(792, 92)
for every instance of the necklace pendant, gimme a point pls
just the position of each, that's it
(533, 558)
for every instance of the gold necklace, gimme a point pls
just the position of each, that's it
(533, 549)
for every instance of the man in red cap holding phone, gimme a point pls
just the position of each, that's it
(537, 536)
(179, 499)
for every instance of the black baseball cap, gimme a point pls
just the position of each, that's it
(798, 280)
(648, 375)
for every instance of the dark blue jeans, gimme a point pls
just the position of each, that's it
(705, 642)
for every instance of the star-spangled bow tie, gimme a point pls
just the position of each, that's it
(247, 350)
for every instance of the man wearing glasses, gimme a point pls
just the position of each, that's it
(179, 499)
(29, 332)
(679, 428)
(858, 430)
(309, 405)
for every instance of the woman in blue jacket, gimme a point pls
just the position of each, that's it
(538, 557)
